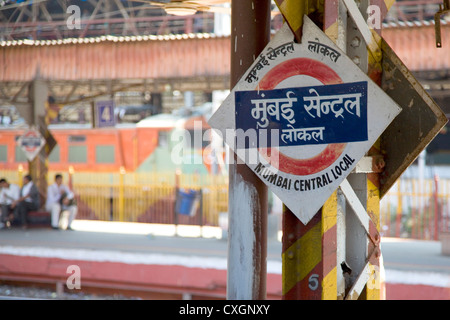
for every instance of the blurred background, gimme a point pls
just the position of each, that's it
(165, 70)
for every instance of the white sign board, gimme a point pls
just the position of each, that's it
(302, 116)
(31, 143)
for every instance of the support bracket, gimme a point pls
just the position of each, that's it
(443, 9)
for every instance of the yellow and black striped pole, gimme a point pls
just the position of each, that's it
(311, 267)
(309, 255)
(309, 252)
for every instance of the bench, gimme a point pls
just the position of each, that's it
(43, 219)
(39, 218)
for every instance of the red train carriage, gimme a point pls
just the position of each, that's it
(145, 146)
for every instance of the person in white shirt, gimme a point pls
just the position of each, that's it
(59, 199)
(9, 193)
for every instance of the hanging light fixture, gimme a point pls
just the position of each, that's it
(180, 9)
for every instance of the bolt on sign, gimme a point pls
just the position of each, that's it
(31, 142)
(302, 117)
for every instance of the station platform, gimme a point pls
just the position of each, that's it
(185, 262)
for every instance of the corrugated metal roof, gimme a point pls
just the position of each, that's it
(116, 58)
(109, 38)
(415, 44)
(180, 56)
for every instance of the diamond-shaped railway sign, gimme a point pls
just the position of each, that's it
(302, 117)
(31, 143)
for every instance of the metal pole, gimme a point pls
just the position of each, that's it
(413, 211)
(398, 220)
(436, 208)
(38, 168)
(247, 238)
(367, 186)
(421, 165)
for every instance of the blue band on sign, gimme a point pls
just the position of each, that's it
(301, 116)
(31, 142)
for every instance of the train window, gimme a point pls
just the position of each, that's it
(105, 154)
(54, 156)
(20, 155)
(77, 138)
(3, 153)
(78, 154)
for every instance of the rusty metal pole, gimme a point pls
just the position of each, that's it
(247, 237)
(38, 168)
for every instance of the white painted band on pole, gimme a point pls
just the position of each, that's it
(356, 205)
(354, 12)
(359, 284)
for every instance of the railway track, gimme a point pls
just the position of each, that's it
(18, 290)
(18, 298)
(49, 288)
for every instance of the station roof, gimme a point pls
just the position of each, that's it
(111, 57)
(180, 56)
(415, 44)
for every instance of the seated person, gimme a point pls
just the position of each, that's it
(9, 193)
(29, 200)
(59, 199)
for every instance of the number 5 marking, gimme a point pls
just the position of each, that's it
(313, 282)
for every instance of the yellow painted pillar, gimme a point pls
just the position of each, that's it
(121, 194)
(20, 174)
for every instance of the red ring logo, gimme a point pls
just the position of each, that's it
(326, 75)
(31, 141)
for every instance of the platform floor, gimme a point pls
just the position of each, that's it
(408, 262)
